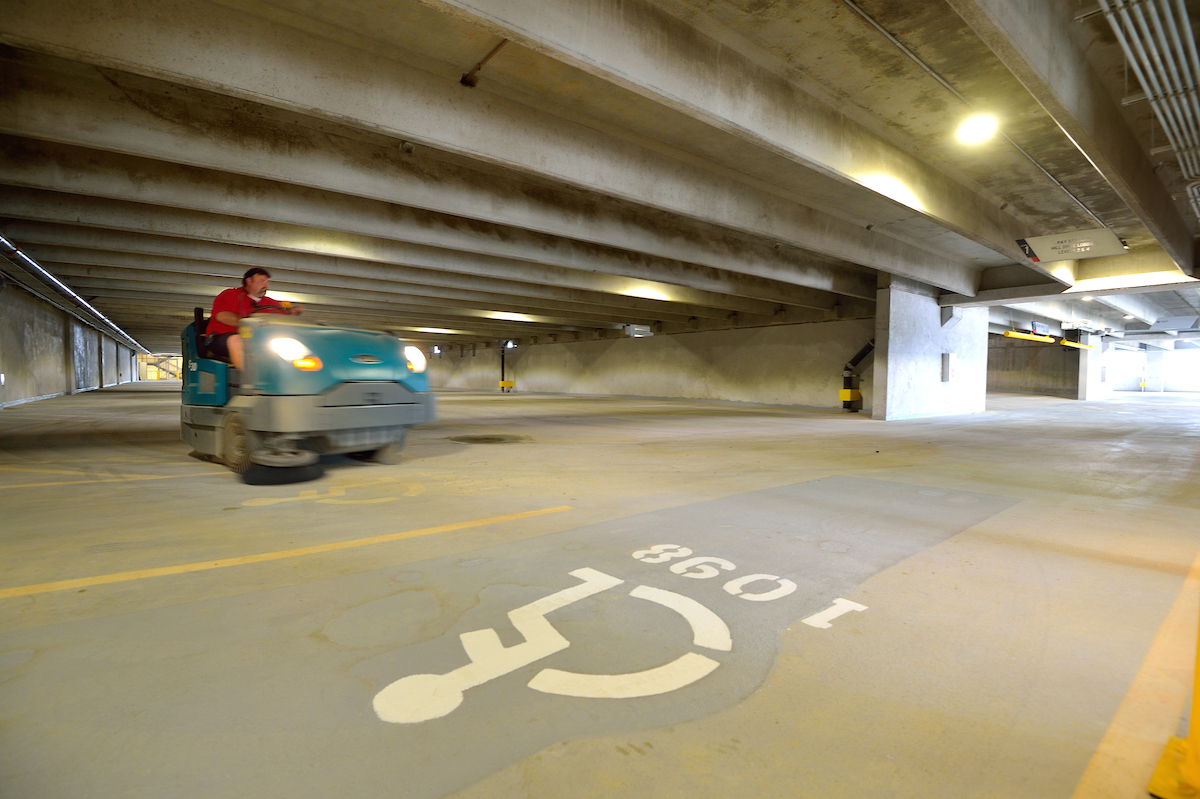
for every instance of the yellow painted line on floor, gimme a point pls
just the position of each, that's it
(39, 471)
(1150, 712)
(111, 480)
(187, 568)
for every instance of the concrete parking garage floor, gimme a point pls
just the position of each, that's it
(997, 605)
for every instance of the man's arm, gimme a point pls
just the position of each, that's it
(227, 318)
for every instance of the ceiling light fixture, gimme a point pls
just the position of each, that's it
(1087, 299)
(977, 129)
(1028, 336)
(1127, 316)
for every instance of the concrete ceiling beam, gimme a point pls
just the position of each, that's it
(301, 219)
(134, 303)
(83, 273)
(442, 309)
(133, 308)
(105, 263)
(555, 285)
(190, 43)
(1034, 41)
(1049, 291)
(1070, 313)
(737, 94)
(1139, 307)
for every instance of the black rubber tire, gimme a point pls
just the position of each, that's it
(258, 475)
(237, 444)
(284, 459)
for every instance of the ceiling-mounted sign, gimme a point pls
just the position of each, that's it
(1072, 246)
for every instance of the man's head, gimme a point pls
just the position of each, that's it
(256, 281)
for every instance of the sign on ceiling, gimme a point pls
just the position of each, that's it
(1072, 246)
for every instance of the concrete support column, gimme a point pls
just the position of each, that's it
(929, 361)
(1093, 377)
(1154, 371)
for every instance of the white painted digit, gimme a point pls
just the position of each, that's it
(735, 587)
(661, 553)
(840, 607)
(699, 570)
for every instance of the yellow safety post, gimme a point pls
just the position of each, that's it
(1177, 775)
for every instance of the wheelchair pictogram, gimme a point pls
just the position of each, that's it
(422, 697)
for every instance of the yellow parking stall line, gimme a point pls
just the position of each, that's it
(1150, 712)
(110, 480)
(39, 471)
(186, 568)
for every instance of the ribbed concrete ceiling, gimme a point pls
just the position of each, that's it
(687, 167)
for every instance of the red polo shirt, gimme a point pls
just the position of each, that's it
(237, 302)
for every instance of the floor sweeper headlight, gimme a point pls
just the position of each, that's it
(416, 359)
(288, 348)
(291, 350)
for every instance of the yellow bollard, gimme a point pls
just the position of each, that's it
(1177, 775)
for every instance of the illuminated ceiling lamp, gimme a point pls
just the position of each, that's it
(977, 129)
(1029, 336)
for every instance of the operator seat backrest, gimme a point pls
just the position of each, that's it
(201, 325)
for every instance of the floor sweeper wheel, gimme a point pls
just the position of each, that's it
(275, 467)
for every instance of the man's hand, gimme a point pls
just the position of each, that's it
(296, 310)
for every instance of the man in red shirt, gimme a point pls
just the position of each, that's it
(232, 305)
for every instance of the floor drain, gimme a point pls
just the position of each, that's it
(488, 439)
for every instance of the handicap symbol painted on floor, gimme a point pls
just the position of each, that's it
(475, 660)
(421, 697)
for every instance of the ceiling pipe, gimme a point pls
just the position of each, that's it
(1156, 38)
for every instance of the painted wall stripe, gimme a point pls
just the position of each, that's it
(186, 568)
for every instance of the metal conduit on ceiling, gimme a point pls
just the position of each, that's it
(1156, 37)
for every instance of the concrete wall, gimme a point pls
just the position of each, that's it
(779, 365)
(910, 339)
(33, 356)
(1163, 370)
(85, 355)
(125, 365)
(1031, 367)
(45, 352)
(109, 375)
(1182, 370)
(1126, 369)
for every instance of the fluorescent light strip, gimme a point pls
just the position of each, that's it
(63, 287)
